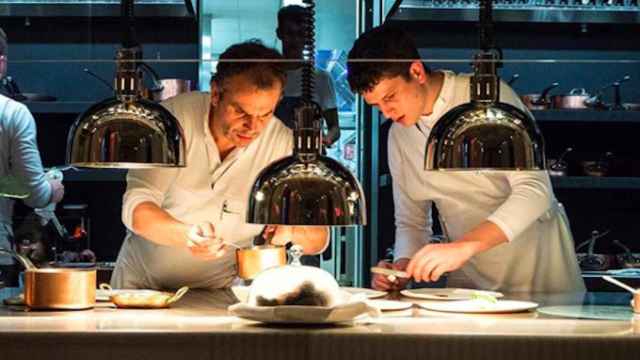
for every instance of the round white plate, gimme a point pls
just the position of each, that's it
(598, 312)
(369, 293)
(390, 305)
(480, 306)
(446, 293)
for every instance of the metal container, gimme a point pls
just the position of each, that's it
(539, 101)
(57, 288)
(251, 261)
(576, 99)
(53, 288)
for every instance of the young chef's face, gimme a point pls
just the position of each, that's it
(400, 99)
(241, 109)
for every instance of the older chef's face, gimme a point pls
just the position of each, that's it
(400, 99)
(241, 109)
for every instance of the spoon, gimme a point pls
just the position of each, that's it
(621, 284)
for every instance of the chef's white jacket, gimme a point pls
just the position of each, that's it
(207, 189)
(539, 255)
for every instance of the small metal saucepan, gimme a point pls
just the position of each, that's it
(539, 101)
(575, 100)
(590, 260)
(57, 288)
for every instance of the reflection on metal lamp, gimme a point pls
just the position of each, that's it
(307, 188)
(126, 131)
(485, 134)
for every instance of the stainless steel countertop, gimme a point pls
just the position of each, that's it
(199, 326)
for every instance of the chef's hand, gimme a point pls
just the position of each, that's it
(433, 260)
(57, 191)
(202, 243)
(382, 282)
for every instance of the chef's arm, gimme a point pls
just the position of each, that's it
(142, 210)
(482, 238)
(531, 196)
(156, 225)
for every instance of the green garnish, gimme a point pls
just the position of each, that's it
(484, 297)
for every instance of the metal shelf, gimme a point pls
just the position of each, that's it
(530, 11)
(93, 175)
(96, 9)
(594, 182)
(586, 116)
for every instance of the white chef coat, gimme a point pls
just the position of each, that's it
(539, 255)
(20, 158)
(207, 189)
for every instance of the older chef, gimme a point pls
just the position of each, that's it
(506, 230)
(182, 220)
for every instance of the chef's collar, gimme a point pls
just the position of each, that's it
(444, 97)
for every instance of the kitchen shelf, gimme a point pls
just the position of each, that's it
(459, 11)
(595, 182)
(92, 175)
(586, 116)
(101, 8)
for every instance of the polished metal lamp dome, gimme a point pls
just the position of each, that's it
(126, 131)
(485, 134)
(307, 188)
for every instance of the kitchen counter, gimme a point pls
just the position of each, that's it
(199, 327)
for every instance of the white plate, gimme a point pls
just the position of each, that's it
(297, 314)
(105, 295)
(480, 306)
(390, 305)
(447, 293)
(369, 293)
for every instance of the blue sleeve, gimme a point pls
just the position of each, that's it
(25, 158)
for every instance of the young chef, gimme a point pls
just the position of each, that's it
(19, 158)
(181, 221)
(506, 229)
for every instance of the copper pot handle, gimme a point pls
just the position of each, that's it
(22, 259)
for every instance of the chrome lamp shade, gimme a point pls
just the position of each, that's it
(294, 192)
(485, 136)
(119, 134)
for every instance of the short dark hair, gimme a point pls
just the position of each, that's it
(385, 42)
(291, 13)
(4, 43)
(263, 64)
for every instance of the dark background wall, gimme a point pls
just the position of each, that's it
(588, 58)
(48, 55)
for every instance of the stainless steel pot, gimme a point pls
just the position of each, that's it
(539, 101)
(57, 288)
(575, 100)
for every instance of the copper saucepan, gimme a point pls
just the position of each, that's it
(57, 288)
(253, 260)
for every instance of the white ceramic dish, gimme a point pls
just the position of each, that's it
(369, 293)
(447, 293)
(296, 314)
(480, 306)
(390, 305)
